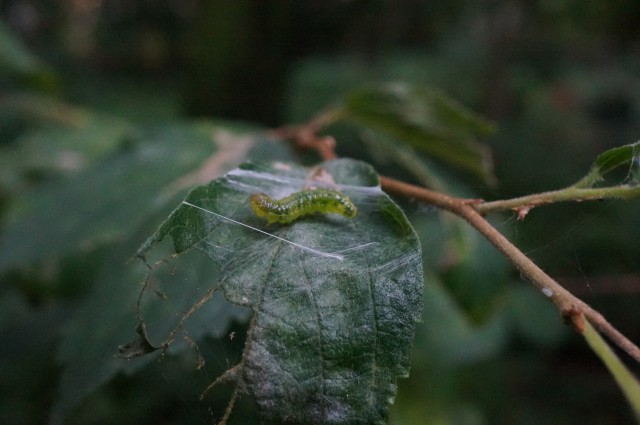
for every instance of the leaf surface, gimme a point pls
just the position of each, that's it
(334, 301)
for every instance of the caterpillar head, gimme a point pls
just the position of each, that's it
(260, 203)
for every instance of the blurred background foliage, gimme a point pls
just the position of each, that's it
(115, 99)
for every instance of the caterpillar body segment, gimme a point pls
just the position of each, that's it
(298, 204)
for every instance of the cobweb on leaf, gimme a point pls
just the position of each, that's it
(322, 278)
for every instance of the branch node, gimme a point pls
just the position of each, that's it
(523, 211)
(575, 318)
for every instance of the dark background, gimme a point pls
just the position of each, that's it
(559, 78)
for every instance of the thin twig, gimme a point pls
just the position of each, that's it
(525, 203)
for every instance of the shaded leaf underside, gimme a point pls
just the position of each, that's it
(426, 120)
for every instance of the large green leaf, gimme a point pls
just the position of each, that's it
(334, 300)
(425, 119)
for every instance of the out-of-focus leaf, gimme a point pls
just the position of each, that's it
(450, 337)
(524, 302)
(425, 119)
(384, 149)
(106, 319)
(111, 199)
(334, 300)
(470, 270)
(18, 60)
(61, 140)
(610, 160)
(476, 275)
(34, 109)
(27, 365)
(628, 383)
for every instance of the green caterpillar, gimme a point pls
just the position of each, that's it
(301, 203)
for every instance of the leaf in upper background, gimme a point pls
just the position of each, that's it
(334, 300)
(623, 156)
(16, 59)
(425, 119)
(111, 199)
(59, 140)
(628, 383)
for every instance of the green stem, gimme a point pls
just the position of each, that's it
(570, 193)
